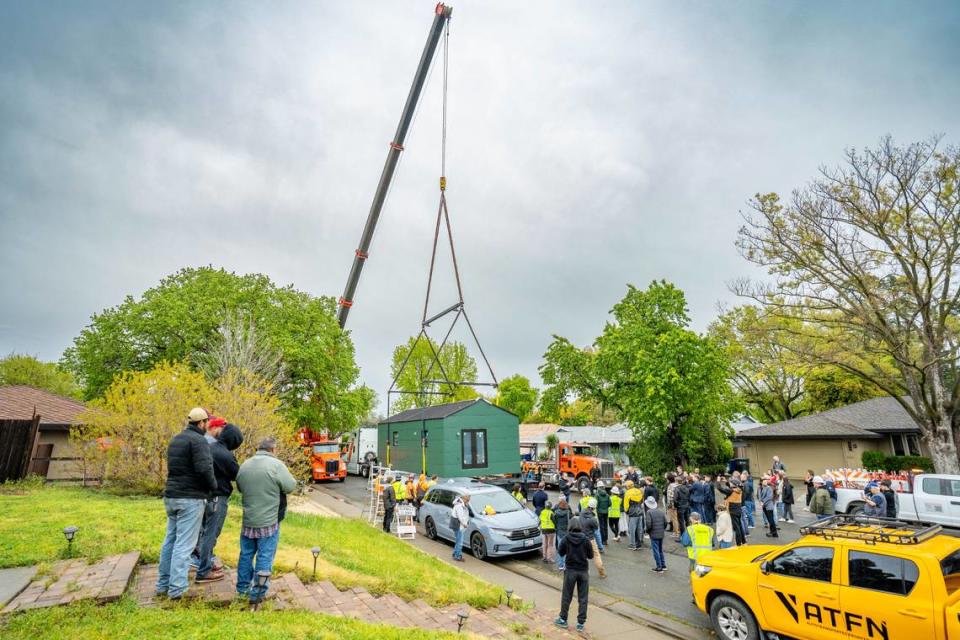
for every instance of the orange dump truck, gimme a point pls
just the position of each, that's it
(326, 459)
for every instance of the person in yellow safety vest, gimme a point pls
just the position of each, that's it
(422, 486)
(518, 494)
(584, 500)
(613, 515)
(633, 506)
(548, 530)
(399, 490)
(698, 539)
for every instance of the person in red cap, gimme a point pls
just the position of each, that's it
(224, 438)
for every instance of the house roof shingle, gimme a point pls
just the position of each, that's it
(867, 419)
(17, 402)
(435, 412)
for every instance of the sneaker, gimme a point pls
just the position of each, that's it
(560, 622)
(790, 521)
(772, 535)
(656, 569)
(663, 568)
(579, 626)
(632, 548)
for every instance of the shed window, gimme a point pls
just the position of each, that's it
(396, 438)
(474, 447)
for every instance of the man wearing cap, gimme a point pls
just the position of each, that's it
(226, 438)
(875, 504)
(190, 481)
(262, 480)
(821, 504)
(655, 524)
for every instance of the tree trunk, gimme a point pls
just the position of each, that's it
(943, 448)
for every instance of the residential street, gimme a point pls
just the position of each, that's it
(629, 578)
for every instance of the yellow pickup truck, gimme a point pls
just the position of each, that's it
(846, 577)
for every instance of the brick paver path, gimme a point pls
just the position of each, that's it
(288, 592)
(72, 580)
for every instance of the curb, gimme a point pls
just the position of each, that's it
(676, 628)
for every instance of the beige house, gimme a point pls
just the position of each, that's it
(832, 439)
(51, 454)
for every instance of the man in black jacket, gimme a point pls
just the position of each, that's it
(227, 438)
(190, 481)
(577, 551)
(681, 501)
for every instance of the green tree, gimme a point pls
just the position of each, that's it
(517, 395)
(867, 259)
(24, 369)
(418, 378)
(179, 320)
(770, 373)
(666, 381)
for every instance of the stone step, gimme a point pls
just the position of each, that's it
(73, 580)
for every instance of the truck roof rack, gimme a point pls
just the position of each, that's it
(872, 530)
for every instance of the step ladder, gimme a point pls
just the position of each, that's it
(375, 504)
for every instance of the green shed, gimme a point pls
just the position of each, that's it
(467, 438)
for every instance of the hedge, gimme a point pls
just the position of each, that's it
(879, 461)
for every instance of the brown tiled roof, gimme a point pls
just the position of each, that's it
(17, 402)
(867, 419)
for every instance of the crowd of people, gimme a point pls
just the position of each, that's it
(201, 473)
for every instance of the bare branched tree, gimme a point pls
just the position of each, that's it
(867, 259)
(241, 348)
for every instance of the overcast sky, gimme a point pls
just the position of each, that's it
(590, 145)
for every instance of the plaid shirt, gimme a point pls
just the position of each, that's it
(260, 532)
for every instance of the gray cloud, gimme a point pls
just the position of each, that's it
(589, 146)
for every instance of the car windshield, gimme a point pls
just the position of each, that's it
(326, 448)
(497, 501)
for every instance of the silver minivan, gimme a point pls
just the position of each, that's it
(499, 525)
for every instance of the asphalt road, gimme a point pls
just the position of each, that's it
(629, 574)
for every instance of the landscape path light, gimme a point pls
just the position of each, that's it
(316, 554)
(509, 596)
(69, 533)
(462, 616)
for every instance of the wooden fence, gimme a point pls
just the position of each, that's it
(18, 439)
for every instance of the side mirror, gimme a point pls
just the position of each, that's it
(765, 567)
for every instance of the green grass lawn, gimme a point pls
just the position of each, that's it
(193, 622)
(352, 553)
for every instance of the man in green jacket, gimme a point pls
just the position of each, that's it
(262, 480)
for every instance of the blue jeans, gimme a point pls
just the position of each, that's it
(780, 510)
(184, 516)
(657, 547)
(561, 560)
(212, 526)
(725, 545)
(264, 549)
(599, 539)
(458, 544)
(748, 510)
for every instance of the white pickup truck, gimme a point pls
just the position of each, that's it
(934, 498)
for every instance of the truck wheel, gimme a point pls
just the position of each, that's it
(341, 479)
(855, 508)
(732, 619)
(583, 482)
(478, 546)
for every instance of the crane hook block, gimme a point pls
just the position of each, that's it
(443, 183)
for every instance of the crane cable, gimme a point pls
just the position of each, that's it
(443, 137)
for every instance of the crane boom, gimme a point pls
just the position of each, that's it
(441, 16)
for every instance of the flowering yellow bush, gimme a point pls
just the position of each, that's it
(125, 434)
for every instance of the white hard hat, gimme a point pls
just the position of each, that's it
(817, 480)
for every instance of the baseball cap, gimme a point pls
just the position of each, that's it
(197, 414)
(217, 421)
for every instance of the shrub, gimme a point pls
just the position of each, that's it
(125, 434)
(874, 460)
(880, 461)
